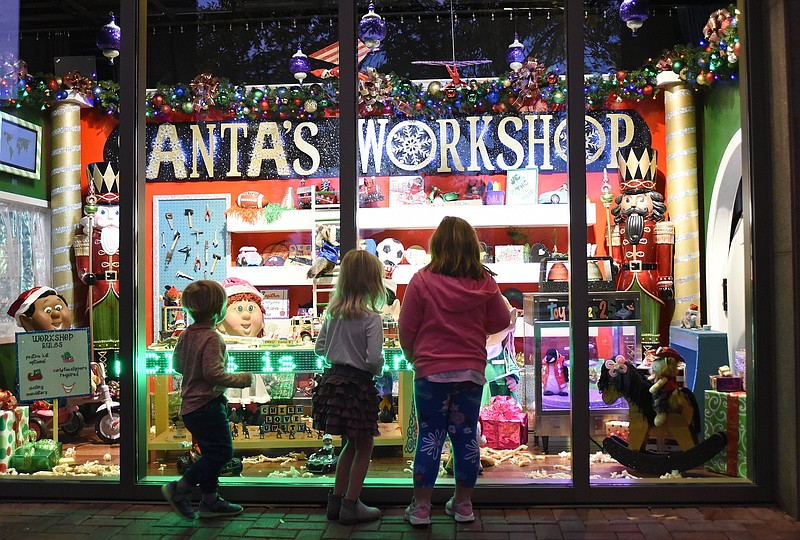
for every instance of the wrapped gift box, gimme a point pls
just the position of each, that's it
(618, 428)
(727, 412)
(8, 438)
(726, 384)
(21, 429)
(504, 424)
(41, 455)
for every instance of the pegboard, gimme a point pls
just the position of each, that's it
(190, 260)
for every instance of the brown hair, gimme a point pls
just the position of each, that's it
(360, 286)
(455, 250)
(203, 299)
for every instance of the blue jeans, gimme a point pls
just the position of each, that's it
(447, 410)
(212, 433)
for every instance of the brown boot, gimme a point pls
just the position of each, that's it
(357, 512)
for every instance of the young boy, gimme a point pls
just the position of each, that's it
(200, 356)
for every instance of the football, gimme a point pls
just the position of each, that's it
(251, 199)
(390, 250)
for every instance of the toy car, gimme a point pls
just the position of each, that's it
(557, 196)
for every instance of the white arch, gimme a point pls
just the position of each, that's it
(718, 239)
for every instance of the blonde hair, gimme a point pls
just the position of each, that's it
(203, 299)
(360, 286)
(456, 250)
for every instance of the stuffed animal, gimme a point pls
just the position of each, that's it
(555, 376)
(664, 372)
(172, 296)
(327, 252)
(691, 319)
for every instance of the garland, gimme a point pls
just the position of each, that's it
(529, 89)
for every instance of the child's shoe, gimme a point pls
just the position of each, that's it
(353, 512)
(461, 511)
(219, 508)
(181, 502)
(418, 514)
(334, 505)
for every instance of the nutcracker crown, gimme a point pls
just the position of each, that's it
(104, 177)
(637, 169)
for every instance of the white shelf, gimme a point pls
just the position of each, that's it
(427, 217)
(276, 276)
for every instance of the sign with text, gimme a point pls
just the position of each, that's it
(53, 364)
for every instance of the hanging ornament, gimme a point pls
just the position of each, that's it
(299, 66)
(372, 29)
(516, 54)
(204, 89)
(108, 39)
(634, 13)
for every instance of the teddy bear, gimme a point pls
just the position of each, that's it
(691, 319)
(327, 243)
(664, 374)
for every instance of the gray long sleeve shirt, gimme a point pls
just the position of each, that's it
(356, 343)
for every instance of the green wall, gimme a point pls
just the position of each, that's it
(721, 119)
(29, 187)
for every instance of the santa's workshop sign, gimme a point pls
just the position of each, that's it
(485, 144)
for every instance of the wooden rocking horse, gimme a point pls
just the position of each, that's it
(619, 378)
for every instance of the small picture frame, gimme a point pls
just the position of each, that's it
(20, 147)
(522, 186)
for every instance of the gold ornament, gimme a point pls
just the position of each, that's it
(434, 88)
(310, 105)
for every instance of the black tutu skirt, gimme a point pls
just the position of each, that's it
(346, 403)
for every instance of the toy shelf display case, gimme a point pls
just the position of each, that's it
(275, 412)
(614, 329)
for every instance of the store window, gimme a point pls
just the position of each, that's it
(59, 248)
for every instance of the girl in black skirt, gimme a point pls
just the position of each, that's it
(346, 401)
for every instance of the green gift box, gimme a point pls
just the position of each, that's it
(41, 455)
(727, 412)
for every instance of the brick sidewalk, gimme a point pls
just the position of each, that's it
(98, 521)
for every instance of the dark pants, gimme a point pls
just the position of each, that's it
(212, 433)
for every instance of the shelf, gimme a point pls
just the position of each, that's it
(390, 436)
(287, 275)
(427, 217)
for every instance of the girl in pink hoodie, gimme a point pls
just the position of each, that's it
(449, 307)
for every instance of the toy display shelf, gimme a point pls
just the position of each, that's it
(427, 217)
(290, 274)
(301, 359)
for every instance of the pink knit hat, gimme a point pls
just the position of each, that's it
(234, 285)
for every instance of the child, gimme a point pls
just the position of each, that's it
(346, 401)
(200, 356)
(449, 307)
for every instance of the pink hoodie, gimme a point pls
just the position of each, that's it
(444, 321)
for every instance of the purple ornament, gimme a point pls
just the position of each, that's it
(634, 13)
(516, 54)
(372, 28)
(108, 39)
(299, 66)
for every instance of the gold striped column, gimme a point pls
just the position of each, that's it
(65, 197)
(682, 193)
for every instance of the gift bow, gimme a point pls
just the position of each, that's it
(204, 88)
(502, 408)
(73, 80)
(616, 366)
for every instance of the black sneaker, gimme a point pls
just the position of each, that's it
(181, 504)
(219, 508)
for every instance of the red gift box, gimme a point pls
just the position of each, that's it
(504, 424)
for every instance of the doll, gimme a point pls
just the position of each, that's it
(664, 371)
(555, 376)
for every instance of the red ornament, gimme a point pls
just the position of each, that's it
(158, 100)
(418, 105)
(736, 48)
(298, 101)
(166, 109)
(647, 90)
(621, 75)
(709, 77)
(552, 78)
(52, 84)
(264, 105)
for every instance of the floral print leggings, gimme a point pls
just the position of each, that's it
(446, 409)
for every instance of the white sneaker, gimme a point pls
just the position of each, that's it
(418, 514)
(461, 511)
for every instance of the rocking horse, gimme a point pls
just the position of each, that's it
(619, 378)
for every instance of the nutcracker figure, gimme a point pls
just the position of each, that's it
(97, 254)
(642, 244)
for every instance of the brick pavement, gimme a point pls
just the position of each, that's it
(99, 521)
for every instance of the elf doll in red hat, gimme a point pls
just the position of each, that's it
(41, 308)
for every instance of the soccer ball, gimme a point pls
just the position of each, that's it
(390, 251)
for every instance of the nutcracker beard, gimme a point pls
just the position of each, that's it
(109, 239)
